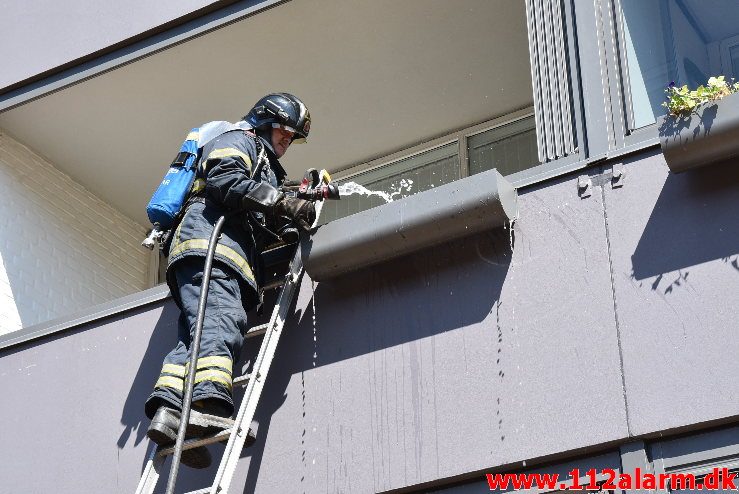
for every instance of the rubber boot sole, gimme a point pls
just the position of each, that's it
(166, 421)
(163, 431)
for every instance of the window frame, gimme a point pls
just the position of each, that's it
(605, 99)
(725, 46)
(622, 104)
(630, 134)
(459, 137)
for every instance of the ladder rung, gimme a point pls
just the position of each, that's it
(257, 330)
(242, 380)
(200, 491)
(201, 441)
(222, 436)
(276, 283)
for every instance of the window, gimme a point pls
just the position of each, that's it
(685, 41)
(509, 148)
(423, 171)
(730, 55)
(697, 456)
(426, 170)
(508, 144)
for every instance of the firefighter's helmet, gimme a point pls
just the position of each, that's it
(281, 110)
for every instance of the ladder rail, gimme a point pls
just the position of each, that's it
(258, 376)
(254, 381)
(152, 470)
(238, 433)
(272, 334)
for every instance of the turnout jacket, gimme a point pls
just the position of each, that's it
(226, 164)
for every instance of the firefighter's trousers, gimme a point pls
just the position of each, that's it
(220, 345)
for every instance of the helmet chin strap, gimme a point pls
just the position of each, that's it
(265, 134)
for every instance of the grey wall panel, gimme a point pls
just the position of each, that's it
(37, 40)
(455, 359)
(72, 416)
(675, 246)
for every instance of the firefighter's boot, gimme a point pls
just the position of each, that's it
(163, 431)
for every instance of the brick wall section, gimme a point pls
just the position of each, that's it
(62, 249)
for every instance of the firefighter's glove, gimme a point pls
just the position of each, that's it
(303, 213)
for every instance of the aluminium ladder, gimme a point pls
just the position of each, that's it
(238, 433)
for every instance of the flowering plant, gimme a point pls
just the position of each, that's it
(681, 100)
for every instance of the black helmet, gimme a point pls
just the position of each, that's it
(281, 110)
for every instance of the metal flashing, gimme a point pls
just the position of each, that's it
(470, 205)
(117, 306)
(567, 165)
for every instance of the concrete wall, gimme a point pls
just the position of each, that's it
(47, 34)
(61, 248)
(613, 317)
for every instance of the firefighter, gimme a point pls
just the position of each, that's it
(242, 176)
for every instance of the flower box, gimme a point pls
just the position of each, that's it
(710, 134)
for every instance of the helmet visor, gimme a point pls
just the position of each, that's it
(298, 138)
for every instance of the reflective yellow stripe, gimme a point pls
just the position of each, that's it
(192, 136)
(226, 152)
(169, 382)
(214, 375)
(222, 250)
(224, 363)
(177, 370)
(216, 361)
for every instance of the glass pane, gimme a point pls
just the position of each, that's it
(510, 148)
(426, 171)
(670, 40)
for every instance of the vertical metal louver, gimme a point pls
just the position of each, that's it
(550, 77)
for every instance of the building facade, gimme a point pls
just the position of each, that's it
(592, 326)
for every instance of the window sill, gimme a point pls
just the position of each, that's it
(470, 205)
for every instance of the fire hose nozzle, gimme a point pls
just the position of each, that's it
(325, 191)
(316, 186)
(331, 191)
